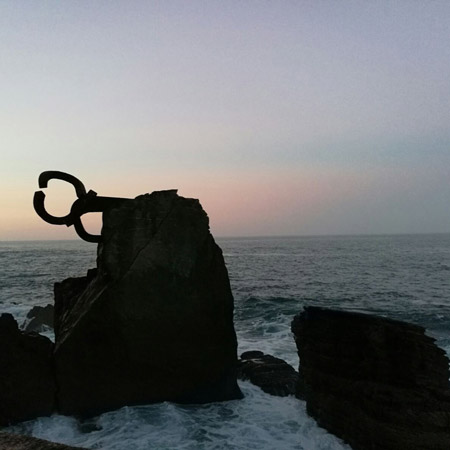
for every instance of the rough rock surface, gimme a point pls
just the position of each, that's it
(155, 322)
(9, 441)
(38, 318)
(27, 386)
(272, 375)
(374, 382)
(66, 294)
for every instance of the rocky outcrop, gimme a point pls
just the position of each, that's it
(9, 441)
(377, 383)
(38, 318)
(27, 386)
(155, 322)
(66, 294)
(272, 375)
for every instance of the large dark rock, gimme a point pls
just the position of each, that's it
(38, 318)
(156, 321)
(272, 375)
(27, 385)
(9, 441)
(377, 383)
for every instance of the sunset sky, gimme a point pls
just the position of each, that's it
(281, 117)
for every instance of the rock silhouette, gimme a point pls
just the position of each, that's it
(376, 383)
(273, 375)
(38, 318)
(27, 387)
(155, 321)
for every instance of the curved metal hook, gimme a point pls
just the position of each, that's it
(83, 234)
(38, 203)
(48, 175)
(39, 196)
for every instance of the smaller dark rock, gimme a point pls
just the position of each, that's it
(273, 375)
(252, 354)
(27, 384)
(38, 318)
(8, 324)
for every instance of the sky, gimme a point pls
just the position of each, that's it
(282, 117)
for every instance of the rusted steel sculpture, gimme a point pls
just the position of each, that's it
(85, 203)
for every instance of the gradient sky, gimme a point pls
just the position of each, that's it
(282, 117)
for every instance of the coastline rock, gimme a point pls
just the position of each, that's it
(155, 323)
(27, 386)
(374, 382)
(273, 375)
(10, 441)
(66, 293)
(38, 318)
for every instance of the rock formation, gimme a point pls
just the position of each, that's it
(9, 441)
(155, 322)
(27, 387)
(377, 383)
(38, 318)
(272, 375)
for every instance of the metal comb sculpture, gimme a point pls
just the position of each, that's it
(85, 203)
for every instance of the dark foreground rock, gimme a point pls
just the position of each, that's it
(155, 322)
(9, 441)
(38, 318)
(272, 375)
(379, 384)
(27, 386)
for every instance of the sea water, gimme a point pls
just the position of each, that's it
(405, 277)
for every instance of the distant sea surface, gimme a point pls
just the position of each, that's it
(405, 277)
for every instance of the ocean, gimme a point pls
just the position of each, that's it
(405, 277)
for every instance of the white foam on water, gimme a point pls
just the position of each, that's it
(259, 421)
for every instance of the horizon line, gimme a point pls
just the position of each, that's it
(267, 236)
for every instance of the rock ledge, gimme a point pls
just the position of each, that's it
(377, 383)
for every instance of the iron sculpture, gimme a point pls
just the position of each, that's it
(85, 203)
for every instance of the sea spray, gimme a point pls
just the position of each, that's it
(260, 421)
